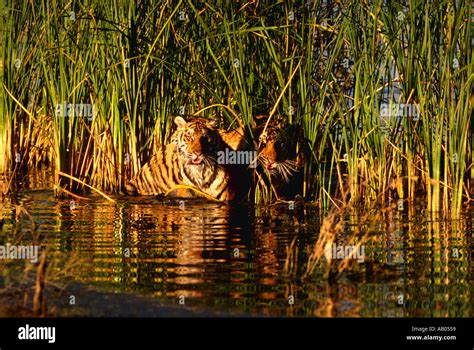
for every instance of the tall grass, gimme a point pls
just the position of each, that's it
(329, 66)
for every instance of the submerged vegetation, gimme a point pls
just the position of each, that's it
(381, 90)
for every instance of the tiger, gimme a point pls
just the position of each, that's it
(235, 138)
(190, 159)
(276, 145)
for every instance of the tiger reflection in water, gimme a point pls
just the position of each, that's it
(197, 250)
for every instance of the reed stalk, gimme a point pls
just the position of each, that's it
(331, 67)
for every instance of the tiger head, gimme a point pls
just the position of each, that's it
(197, 141)
(277, 147)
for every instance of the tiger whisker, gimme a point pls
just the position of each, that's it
(283, 171)
(291, 165)
(286, 169)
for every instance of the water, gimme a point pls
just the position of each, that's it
(235, 259)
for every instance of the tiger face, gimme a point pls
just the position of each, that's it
(277, 148)
(196, 141)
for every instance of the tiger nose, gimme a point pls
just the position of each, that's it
(196, 154)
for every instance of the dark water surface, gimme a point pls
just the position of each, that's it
(234, 259)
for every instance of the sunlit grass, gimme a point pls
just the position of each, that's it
(331, 69)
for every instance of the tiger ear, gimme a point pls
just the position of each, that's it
(180, 122)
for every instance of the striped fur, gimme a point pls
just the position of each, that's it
(277, 147)
(235, 139)
(190, 159)
(277, 156)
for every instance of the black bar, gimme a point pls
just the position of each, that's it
(120, 333)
